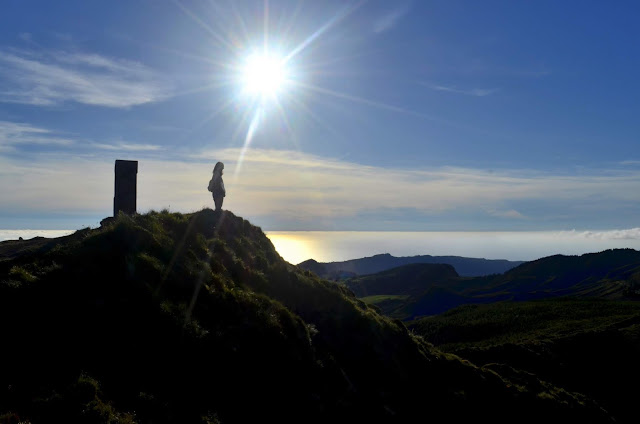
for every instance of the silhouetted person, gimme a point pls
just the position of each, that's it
(216, 185)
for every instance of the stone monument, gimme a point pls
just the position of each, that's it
(124, 198)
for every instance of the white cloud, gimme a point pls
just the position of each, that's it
(36, 78)
(13, 133)
(389, 20)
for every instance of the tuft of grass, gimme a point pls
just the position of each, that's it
(21, 274)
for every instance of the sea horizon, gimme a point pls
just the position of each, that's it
(334, 246)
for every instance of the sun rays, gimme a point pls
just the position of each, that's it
(266, 75)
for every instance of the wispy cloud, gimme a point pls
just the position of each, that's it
(390, 19)
(477, 92)
(14, 133)
(18, 134)
(128, 147)
(55, 77)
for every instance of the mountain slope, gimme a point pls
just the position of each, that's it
(588, 345)
(611, 274)
(164, 318)
(467, 267)
(404, 280)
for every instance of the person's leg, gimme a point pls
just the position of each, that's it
(218, 202)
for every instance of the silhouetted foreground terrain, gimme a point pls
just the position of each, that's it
(583, 332)
(170, 318)
(417, 290)
(468, 267)
(586, 345)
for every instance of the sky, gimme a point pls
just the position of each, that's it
(390, 116)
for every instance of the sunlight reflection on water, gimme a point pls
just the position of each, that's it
(327, 246)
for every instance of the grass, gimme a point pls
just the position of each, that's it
(522, 322)
(588, 346)
(374, 300)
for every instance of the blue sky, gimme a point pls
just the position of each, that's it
(404, 115)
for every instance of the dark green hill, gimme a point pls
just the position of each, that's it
(410, 293)
(587, 345)
(405, 280)
(171, 318)
(468, 267)
(612, 274)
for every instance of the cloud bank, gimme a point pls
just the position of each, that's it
(288, 190)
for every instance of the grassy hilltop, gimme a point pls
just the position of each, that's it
(195, 318)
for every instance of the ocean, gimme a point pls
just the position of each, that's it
(327, 246)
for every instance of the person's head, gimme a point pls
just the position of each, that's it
(218, 168)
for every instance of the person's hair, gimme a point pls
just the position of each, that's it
(219, 167)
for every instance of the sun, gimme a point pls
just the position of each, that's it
(264, 75)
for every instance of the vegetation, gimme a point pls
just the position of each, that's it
(429, 290)
(404, 280)
(467, 267)
(164, 318)
(377, 299)
(384, 303)
(522, 322)
(586, 345)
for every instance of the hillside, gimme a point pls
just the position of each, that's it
(172, 318)
(612, 274)
(467, 267)
(405, 280)
(587, 345)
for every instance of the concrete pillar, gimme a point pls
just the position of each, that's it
(125, 187)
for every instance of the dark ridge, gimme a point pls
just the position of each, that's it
(408, 293)
(466, 267)
(195, 318)
(407, 280)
